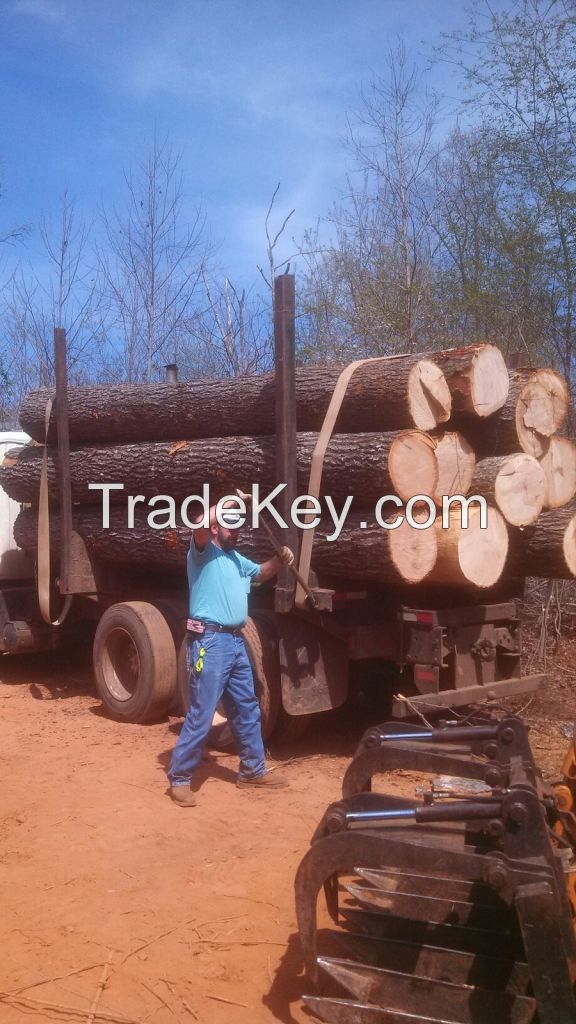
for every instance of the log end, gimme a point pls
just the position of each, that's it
(558, 391)
(559, 465)
(429, 399)
(456, 461)
(412, 464)
(489, 381)
(534, 418)
(413, 552)
(482, 552)
(520, 489)
(470, 552)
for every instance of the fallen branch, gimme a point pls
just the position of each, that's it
(99, 990)
(177, 995)
(151, 942)
(231, 1002)
(39, 1006)
(58, 977)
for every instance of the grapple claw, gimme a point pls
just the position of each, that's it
(454, 909)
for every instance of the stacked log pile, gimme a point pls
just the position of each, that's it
(452, 422)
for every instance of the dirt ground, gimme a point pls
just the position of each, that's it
(187, 913)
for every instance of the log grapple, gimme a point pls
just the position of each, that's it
(450, 908)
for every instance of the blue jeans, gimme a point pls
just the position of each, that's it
(223, 673)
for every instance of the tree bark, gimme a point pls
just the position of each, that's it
(548, 548)
(355, 464)
(515, 483)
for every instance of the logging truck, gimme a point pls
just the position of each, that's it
(442, 650)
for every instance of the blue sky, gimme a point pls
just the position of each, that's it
(250, 92)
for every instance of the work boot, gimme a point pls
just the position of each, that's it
(183, 796)
(269, 780)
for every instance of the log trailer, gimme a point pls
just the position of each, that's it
(440, 651)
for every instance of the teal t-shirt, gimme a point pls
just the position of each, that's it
(219, 584)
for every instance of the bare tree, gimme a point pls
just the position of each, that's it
(58, 291)
(233, 335)
(379, 257)
(273, 267)
(152, 266)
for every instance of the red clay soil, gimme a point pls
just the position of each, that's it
(192, 909)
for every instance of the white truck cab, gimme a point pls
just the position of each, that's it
(14, 563)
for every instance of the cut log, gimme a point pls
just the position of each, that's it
(525, 421)
(360, 552)
(515, 483)
(559, 465)
(557, 389)
(412, 464)
(429, 399)
(535, 418)
(478, 382)
(473, 555)
(456, 461)
(381, 395)
(355, 464)
(376, 399)
(414, 552)
(546, 550)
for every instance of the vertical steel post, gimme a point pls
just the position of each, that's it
(285, 366)
(64, 485)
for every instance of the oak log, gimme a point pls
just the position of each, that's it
(559, 466)
(547, 549)
(365, 466)
(525, 421)
(359, 553)
(392, 393)
(456, 461)
(472, 554)
(515, 483)
(477, 377)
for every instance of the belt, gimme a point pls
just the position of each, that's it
(217, 628)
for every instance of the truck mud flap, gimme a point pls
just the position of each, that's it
(314, 668)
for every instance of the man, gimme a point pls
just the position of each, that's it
(219, 579)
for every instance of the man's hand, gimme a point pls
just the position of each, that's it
(286, 556)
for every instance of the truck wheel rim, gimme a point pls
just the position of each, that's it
(121, 664)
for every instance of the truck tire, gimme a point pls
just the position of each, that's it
(134, 661)
(290, 727)
(172, 610)
(263, 655)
